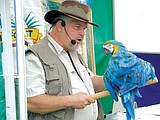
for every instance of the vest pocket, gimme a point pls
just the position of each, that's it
(54, 85)
(53, 79)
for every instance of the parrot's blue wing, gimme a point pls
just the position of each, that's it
(111, 88)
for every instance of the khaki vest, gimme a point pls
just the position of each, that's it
(57, 80)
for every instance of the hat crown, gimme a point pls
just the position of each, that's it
(75, 8)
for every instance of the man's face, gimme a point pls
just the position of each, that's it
(76, 31)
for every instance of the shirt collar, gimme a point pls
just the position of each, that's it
(58, 49)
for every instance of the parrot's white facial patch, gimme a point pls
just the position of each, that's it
(108, 48)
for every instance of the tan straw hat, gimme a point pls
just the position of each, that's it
(71, 8)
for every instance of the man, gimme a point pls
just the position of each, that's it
(59, 83)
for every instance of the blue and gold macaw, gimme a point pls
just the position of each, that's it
(124, 74)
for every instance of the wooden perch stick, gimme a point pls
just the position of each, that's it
(106, 92)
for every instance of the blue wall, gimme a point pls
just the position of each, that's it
(150, 93)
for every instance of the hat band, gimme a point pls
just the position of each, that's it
(74, 16)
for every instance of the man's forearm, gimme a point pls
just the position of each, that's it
(47, 103)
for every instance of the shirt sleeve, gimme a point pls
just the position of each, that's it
(35, 79)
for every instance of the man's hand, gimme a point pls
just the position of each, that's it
(80, 100)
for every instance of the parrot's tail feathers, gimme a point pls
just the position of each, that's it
(130, 116)
(128, 103)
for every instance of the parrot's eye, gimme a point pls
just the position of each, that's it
(110, 45)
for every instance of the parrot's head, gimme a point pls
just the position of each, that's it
(112, 47)
(109, 47)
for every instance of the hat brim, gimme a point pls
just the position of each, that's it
(110, 89)
(51, 15)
